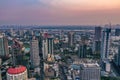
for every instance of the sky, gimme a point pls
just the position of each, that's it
(59, 12)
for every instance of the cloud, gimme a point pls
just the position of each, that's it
(82, 4)
(58, 11)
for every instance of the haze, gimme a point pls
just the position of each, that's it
(59, 12)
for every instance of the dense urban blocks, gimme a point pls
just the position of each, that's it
(60, 53)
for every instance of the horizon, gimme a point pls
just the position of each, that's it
(54, 12)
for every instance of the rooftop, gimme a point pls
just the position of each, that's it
(90, 65)
(16, 70)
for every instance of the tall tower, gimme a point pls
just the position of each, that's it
(4, 50)
(97, 33)
(34, 53)
(117, 32)
(117, 57)
(97, 40)
(50, 45)
(82, 51)
(47, 47)
(70, 38)
(105, 43)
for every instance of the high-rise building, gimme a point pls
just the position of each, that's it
(97, 36)
(17, 73)
(97, 47)
(47, 47)
(70, 38)
(97, 40)
(12, 32)
(82, 51)
(34, 53)
(4, 50)
(50, 45)
(90, 71)
(117, 32)
(117, 57)
(105, 44)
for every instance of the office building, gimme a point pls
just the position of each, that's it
(4, 50)
(47, 48)
(105, 44)
(12, 32)
(97, 40)
(97, 36)
(98, 31)
(82, 50)
(50, 45)
(90, 71)
(117, 32)
(97, 47)
(34, 53)
(70, 38)
(17, 73)
(117, 57)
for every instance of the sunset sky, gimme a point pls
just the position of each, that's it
(59, 12)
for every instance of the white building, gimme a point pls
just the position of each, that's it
(17, 73)
(90, 71)
(34, 53)
(4, 50)
(105, 44)
(47, 48)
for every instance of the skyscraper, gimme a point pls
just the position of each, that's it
(82, 50)
(50, 45)
(97, 47)
(97, 36)
(4, 50)
(105, 43)
(117, 32)
(97, 40)
(34, 53)
(70, 38)
(117, 57)
(47, 47)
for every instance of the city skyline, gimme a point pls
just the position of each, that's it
(63, 12)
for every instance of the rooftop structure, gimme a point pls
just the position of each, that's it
(17, 73)
(92, 65)
(90, 71)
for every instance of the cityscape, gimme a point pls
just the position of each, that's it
(60, 53)
(59, 40)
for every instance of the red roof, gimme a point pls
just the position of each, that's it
(16, 70)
